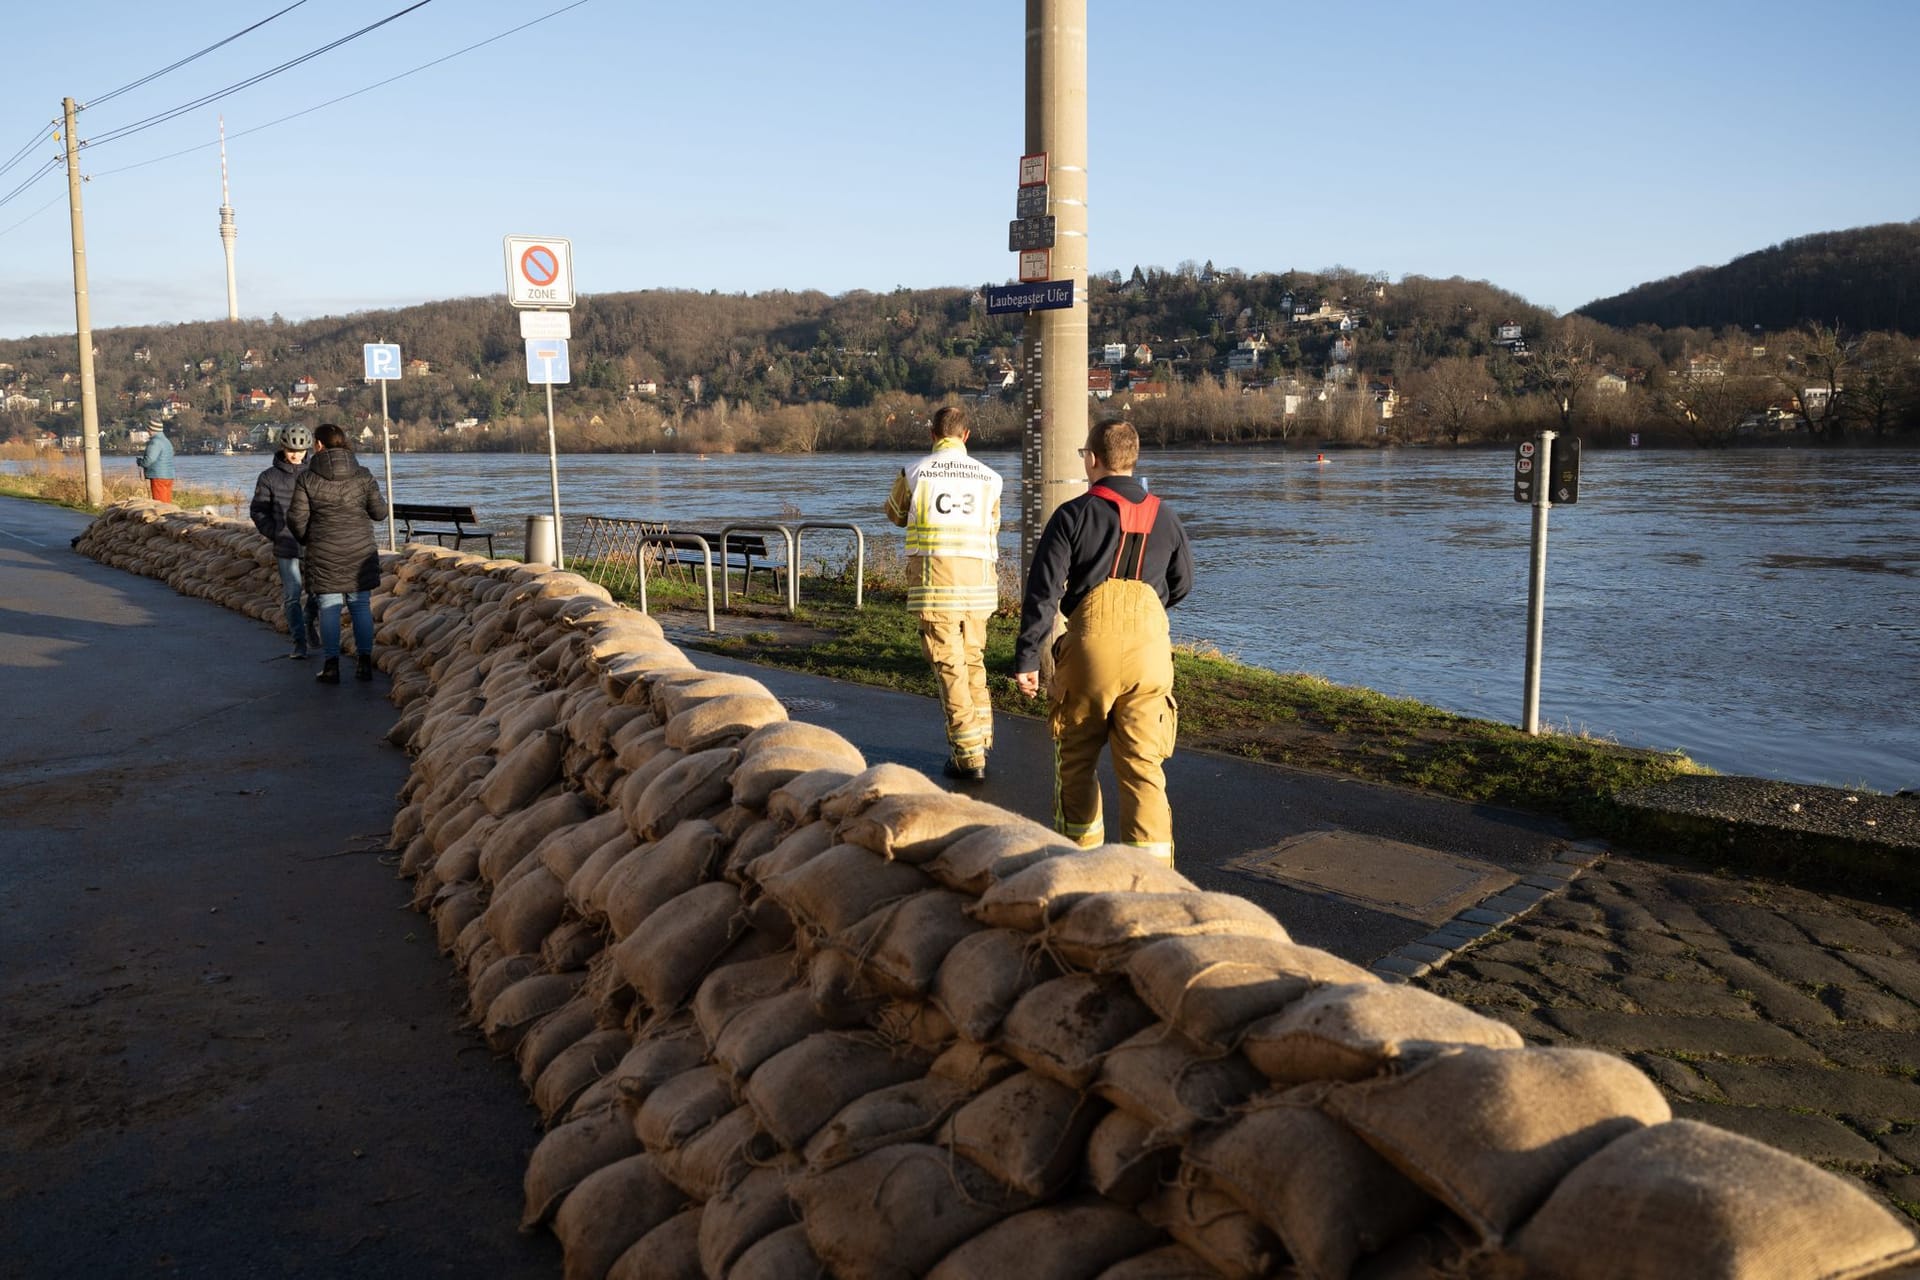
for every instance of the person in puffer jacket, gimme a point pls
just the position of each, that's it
(335, 503)
(272, 495)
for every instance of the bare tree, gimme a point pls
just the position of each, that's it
(1820, 357)
(1452, 395)
(1563, 370)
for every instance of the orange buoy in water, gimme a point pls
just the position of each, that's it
(1321, 458)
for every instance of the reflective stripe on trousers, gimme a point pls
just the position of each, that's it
(1113, 683)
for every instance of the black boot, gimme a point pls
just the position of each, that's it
(363, 667)
(329, 672)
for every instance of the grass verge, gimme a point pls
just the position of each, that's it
(1228, 706)
(64, 484)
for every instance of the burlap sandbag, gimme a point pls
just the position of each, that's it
(1688, 1199)
(837, 888)
(460, 861)
(767, 764)
(681, 1107)
(741, 1216)
(1028, 899)
(666, 1050)
(717, 1158)
(915, 828)
(674, 692)
(904, 1112)
(514, 1011)
(524, 717)
(522, 915)
(796, 802)
(893, 1213)
(577, 1069)
(681, 859)
(1350, 1032)
(582, 884)
(758, 839)
(687, 789)
(454, 907)
(1027, 1132)
(722, 721)
(571, 944)
(567, 849)
(984, 974)
(901, 945)
(665, 961)
(780, 1255)
(638, 742)
(519, 833)
(1161, 1077)
(795, 847)
(568, 1154)
(1064, 1027)
(1212, 987)
(869, 784)
(841, 992)
(548, 1038)
(799, 1089)
(764, 1028)
(1489, 1132)
(1169, 1262)
(1206, 1220)
(1073, 1240)
(1102, 931)
(611, 1208)
(732, 988)
(734, 819)
(1331, 1201)
(1128, 1159)
(671, 1251)
(493, 973)
(975, 863)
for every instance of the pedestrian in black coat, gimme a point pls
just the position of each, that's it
(335, 503)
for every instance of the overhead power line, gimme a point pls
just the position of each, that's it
(46, 168)
(208, 99)
(155, 75)
(203, 146)
(39, 136)
(36, 213)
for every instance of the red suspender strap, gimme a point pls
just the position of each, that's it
(1136, 520)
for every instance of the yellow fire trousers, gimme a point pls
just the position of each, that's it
(956, 645)
(1113, 683)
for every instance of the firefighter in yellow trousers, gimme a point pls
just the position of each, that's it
(1113, 559)
(950, 506)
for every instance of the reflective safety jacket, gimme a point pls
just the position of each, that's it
(949, 504)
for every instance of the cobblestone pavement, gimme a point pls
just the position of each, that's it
(1789, 1016)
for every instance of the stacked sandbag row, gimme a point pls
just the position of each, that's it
(785, 1013)
(225, 561)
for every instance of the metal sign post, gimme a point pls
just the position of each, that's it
(539, 280)
(1536, 578)
(383, 366)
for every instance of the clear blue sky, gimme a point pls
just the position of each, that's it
(1563, 151)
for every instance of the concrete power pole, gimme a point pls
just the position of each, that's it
(1054, 346)
(227, 230)
(82, 318)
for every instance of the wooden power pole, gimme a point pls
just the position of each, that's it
(82, 318)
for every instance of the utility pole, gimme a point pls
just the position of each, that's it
(1054, 345)
(82, 319)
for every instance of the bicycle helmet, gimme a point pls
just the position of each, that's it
(296, 439)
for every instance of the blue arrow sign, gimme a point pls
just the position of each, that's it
(383, 361)
(547, 361)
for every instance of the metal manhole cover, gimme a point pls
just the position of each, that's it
(1383, 875)
(809, 704)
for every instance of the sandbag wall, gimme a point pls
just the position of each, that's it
(785, 1013)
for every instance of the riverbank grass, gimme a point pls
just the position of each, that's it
(64, 484)
(1225, 705)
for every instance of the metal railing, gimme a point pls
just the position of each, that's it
(618, 551)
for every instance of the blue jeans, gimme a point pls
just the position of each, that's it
(293, 593)
(358, 603)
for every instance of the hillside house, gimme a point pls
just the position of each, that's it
(305, 386)
(1508, 334)
(1143, 354)
(1113, 353)
(257, 400)
(1248, 354)
(1610, 384)
(1147, 390)
(141, 355)
(18, 403)
(1100, 383)
(418, 367)
(644, 387)
(1005, 378)
(1704, 369)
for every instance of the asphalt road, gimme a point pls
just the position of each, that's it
(228, 1047)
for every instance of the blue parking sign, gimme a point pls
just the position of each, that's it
(547, 361)
(383, 361)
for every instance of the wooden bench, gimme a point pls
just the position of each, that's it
(742, 549)
(458, 523)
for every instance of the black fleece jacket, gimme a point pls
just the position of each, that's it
(335, 502)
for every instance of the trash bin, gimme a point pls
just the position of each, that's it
(541, 543)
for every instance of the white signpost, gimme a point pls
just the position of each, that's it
(383, 366)
(540, 286)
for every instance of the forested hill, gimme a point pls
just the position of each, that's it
(1860, 280)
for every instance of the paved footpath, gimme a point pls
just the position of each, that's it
(1790, 1016)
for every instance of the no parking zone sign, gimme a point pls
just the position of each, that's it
(539, 272)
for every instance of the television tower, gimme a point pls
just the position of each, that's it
(227, 231)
